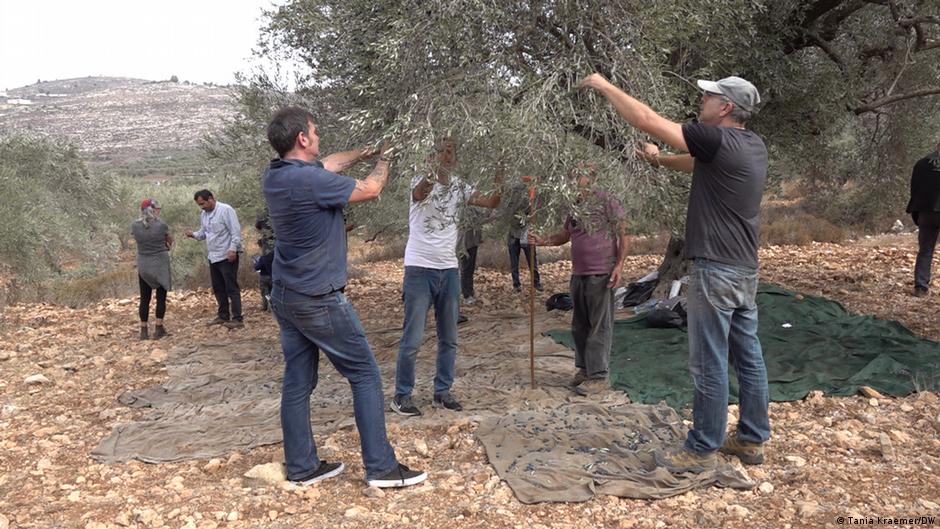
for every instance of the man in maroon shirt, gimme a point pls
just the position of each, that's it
(598, 247)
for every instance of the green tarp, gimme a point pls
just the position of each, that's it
(809, 343)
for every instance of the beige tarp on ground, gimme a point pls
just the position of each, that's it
(581, 449)
(221, 398)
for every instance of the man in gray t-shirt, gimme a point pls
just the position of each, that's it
(729, 169)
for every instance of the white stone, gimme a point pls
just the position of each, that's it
(796, 460)
(36, 380)
(765, 487)
(929, 505)
(421, 447)
(373, 492)
(158, 355)
(807, 508)
(268, 473)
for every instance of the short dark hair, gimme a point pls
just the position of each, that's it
(286, 124)
(204, 194)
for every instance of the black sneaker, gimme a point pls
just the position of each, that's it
(517, 288)
(462, 319)
(539, 288)
(402, 405)
(324, 471)
(400, 476)
(446, 401)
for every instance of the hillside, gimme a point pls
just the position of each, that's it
(130, 126)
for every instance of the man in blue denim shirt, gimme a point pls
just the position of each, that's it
(431, 277)
(305, 199)
(729, 169)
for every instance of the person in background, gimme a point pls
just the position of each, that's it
(153, 265)
(223, 235)
(468, 242)
(518, 239)
(598, 247)
(924, 208)
(264, 261)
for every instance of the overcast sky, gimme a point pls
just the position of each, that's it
(196, 40)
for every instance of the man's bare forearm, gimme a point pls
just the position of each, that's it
(369, 187)
(676, 162)
(340, 161)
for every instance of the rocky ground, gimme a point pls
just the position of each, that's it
(858, 457)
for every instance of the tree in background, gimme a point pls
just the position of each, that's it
(54, 211)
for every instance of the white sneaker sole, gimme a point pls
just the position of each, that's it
(335, 472)
(397, 483)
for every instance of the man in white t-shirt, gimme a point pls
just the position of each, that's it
(431, 275)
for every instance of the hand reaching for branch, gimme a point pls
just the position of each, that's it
(648, 152)
(595, 81)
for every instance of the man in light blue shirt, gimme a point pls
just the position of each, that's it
(223, 235)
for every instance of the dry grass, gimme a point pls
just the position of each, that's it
(801, 229)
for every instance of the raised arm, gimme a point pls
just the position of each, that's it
(423, 189)
(369, 187)
(340, 161)
(636, 113)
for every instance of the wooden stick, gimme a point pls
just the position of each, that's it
(531, 183)
(532, 314)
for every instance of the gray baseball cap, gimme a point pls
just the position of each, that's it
(740, 91)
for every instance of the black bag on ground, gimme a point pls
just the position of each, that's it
(664, 318)
(560, 301)
(638, 293)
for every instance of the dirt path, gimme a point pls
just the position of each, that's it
(830, 457)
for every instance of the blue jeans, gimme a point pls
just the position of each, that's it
(328, 323)
(425, 288)
(722, 309)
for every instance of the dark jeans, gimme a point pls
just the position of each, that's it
(146, 291)
(225, 287)
(722, 306)
(468, 266)
(514, 246)
(330, 324)
(424, 288)
(928, 226)
(592, 323)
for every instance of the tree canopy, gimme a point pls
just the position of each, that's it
(851, 87)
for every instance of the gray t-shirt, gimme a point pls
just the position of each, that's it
(151, 240)
(723, 222)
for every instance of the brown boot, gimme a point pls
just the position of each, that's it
(143, 333)
(159, 332)
(679, 460)
(578, 378)
(592, 386)
(749, 453)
